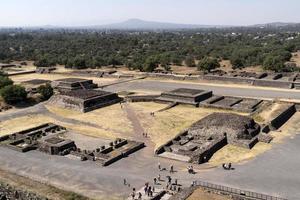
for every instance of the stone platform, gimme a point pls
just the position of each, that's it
(84, 100)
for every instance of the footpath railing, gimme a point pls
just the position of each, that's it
(235, 191)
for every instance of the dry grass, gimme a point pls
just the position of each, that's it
(165, 125)
(22, 123)
(268, 113)
(200, 194)
(235, 154)
(30, 121)
(110, 118)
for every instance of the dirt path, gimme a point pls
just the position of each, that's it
(137, 126)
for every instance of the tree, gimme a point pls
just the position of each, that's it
(150, 64)
(190, 61)
(45, 61)
(274, 63)
(237, 63)
(208, 64)
(46, 91)
(13, 94)
(4, 81)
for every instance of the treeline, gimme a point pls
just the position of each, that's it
(147, 50)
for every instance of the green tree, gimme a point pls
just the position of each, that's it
(190, 61)
(274, 63)
(13, 94)
(4, 81)
(46, 91)
(45, 61)
(150, 64)
(208, 64)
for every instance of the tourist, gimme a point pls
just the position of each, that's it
(133, 195)
(154, 181)
(159, 178)
(151, 193)
(175, 181)
(159, 167)
(124, 182)
(148, 191)
(145, 189)
(140, 196)
(171, 169)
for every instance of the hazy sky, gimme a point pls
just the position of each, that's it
(92, 12)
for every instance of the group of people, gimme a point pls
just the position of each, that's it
(149, 190)
(134, 194)
(160, 168)
(145, 135)
(152, 114)
(227, 166)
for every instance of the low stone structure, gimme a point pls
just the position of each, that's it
(185, 96)
(85, 100)
(282, 115)
(232, 103)
(56, 146)
(106, 155)
(45, 70)
(208, 135)
(44, 138)
(32, 85)
(71, 84)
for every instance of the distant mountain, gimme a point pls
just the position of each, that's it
(138, 24)
(276, 24)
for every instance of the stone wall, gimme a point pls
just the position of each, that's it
(283, 116)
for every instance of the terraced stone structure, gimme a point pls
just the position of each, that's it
(185, 96)
(85, 100)
(70, 84)
(44, 138)
(208, 135)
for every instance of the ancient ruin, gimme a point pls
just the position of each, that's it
(106, 155)
(49, 138)
(85, 100)
(232, 103)
(185, 96)
(208, 135)
(70, 84)
(44, 138)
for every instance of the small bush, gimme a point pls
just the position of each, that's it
(13, 94)
(46, 91)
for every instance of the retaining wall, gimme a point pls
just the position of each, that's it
(283, 117)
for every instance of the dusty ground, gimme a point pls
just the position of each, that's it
(41, 189)
(200, 194)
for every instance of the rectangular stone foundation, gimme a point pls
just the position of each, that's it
(85, 100)
(185, 96)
